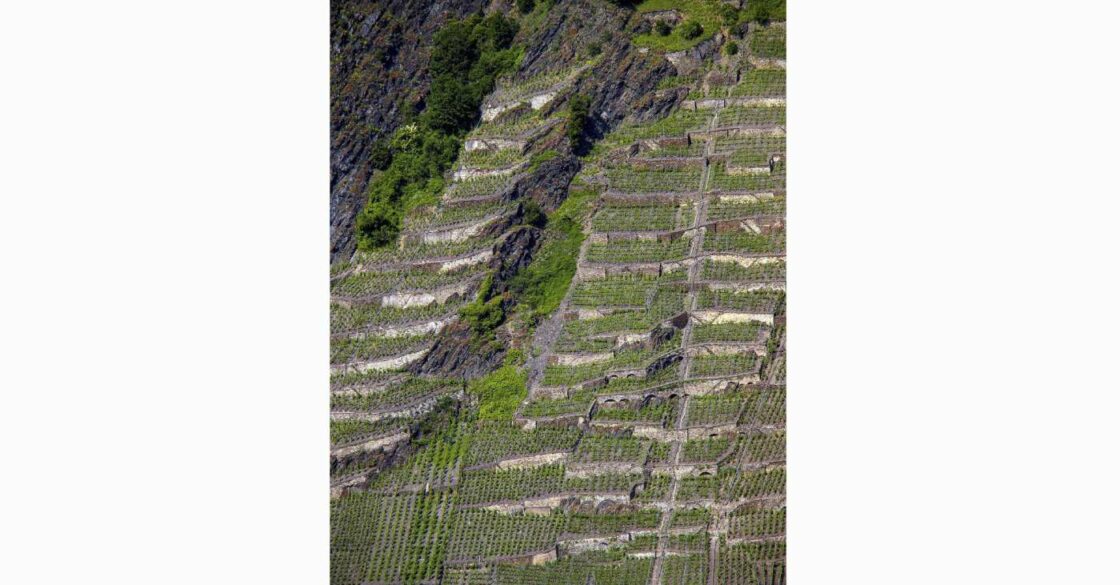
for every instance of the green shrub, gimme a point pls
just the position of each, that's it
(447, 110)
(525, 6)
(766, 10)
(731, 48)
(377, 225)
(494, 33)
(662, 28)
(483, 317)
(454, 50)
(414, 177)
(484, 314)
(729, 15)
(691, 29)
(380, 155)
(533, 215)
(579, 108)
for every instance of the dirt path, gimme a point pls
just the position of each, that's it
(696, 246)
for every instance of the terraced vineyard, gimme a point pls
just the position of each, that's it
(650, 445)
(389, 306)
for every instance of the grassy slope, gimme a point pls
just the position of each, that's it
(545, 281)
(501, 391)
(540, 288)
(703, 11)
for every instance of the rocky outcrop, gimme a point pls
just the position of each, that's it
(513, 254)
(379, 72)
(622, 86)
(689, 60)
(457, 352)
(548, 186)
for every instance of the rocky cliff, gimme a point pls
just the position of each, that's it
(379, 75)
(379, 72)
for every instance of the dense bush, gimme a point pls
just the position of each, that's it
(729, 15)
(378, 224)
(731, 48)
(766, 10)
(691, 29)
(662, 28)
(526, 6)
(533, 215)
(579, 108)
(484, 314)
(380, 155)
(467, 56)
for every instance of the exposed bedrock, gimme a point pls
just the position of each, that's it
(379, 69)
(457, 351)
(623, 85)
(513, 254)
(549, 185)
(623, 81)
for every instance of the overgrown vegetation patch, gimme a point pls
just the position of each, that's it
(467, 57)
(702, 18)
(542, 285)
(500, 392)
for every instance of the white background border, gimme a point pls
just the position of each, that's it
(953, 293)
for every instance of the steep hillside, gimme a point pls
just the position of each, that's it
(379, 73)
(567, 365)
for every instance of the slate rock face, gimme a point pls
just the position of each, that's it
(622, 83)
(379, 69)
